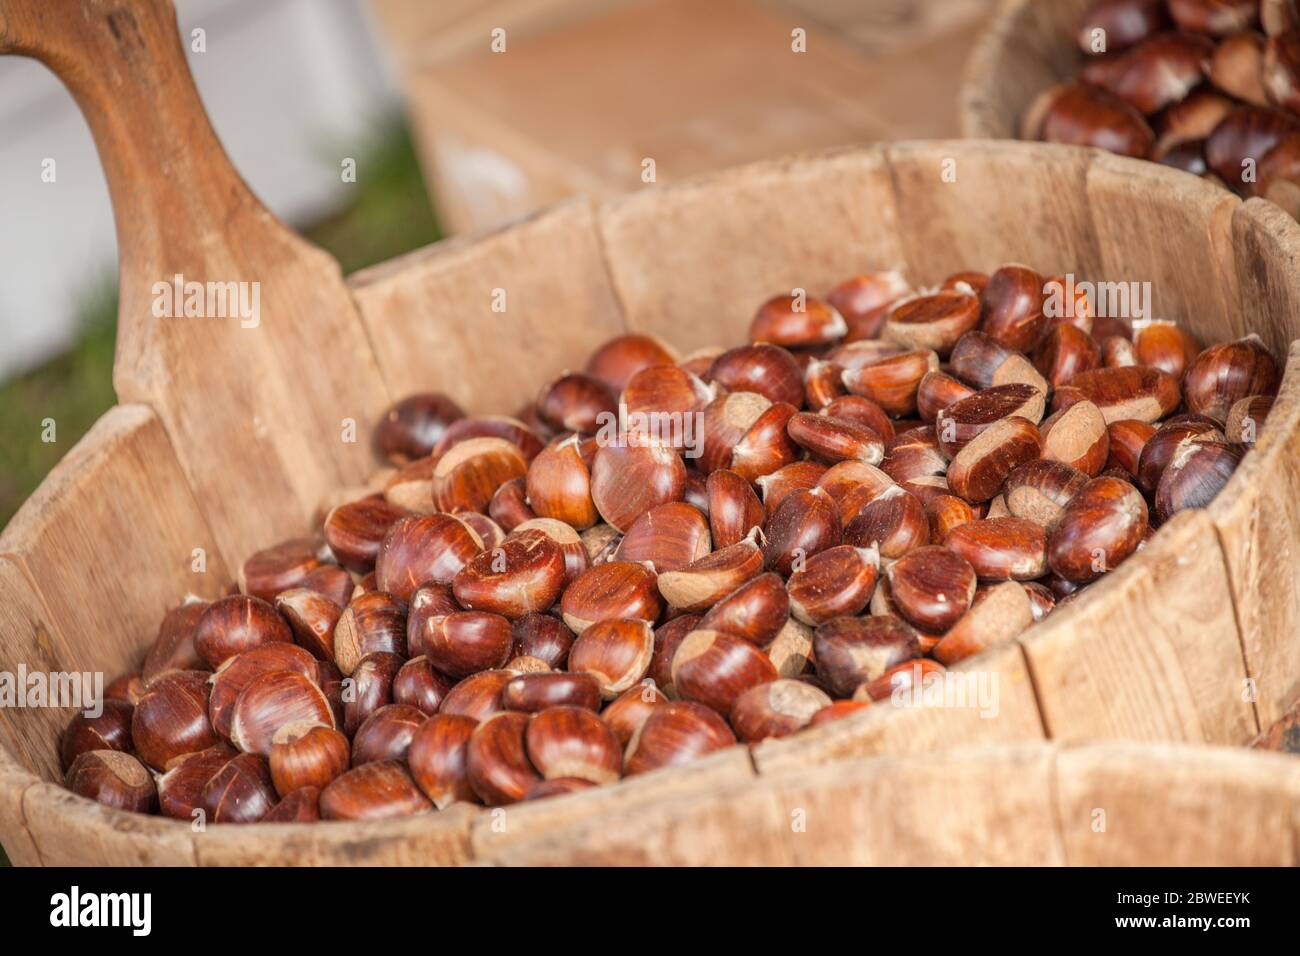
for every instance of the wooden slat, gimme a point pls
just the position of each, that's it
(69, 830)
(1257, 518)
(1181, 246)
(1025, 206)
(1028, 46)
(14, 835)
(256, 414)
(430, 314)
(1130, 805)
(991, 806)
(806, 222)
(884, 728)
(434, 839)
(496, 829)
(1152, 652)
(93, 560)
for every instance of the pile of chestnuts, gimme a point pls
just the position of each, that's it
(887, 481)
(1192, 84)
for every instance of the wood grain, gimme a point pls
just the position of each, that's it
(805, 222)
(431, 314)
(256, 413)
(1153, 654)
(887, 728)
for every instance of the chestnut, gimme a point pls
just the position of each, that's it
(964, 420)
(180, 789)
(372, 688)
(496, 759)
(559, 485)
(240, 792)
(1012, 308)
(805, 523)
(836, 439)
(615, 652)
(386, 734)
(1078, 436)
(576, 402)
(1156, 73)
(467, 642)
(479, 695)
(437, 758)
(936, 391)
(171, 719)
(412, 427)
(271, 701)
(572, 546)
(999, 615)
(837, 710)
(714, 668)
(610, 591)
(307, 754)
(980, 468)
(1065, 351)
(668, 536)
(298, 806)
(628, 711)
(852, 485)
(892, 382)
(543, 637)
(237, 673)
(424, 548)
(1146, 394)
(312, 618)
(900, 677)
(1195, 475)
(1215, 17)
(420, 685)
(796, 321)
(1039, 490)
(281, 566)
(822, 384)
(893, 523)
(756, 611)
(1224, 374)
(526, 573)
(980, 361)
(850, 651)
(573, 742)
(674, 734)
(627, 481)
(380, 790)
(489, 532)
(355, 531)
(1246, 418)
(511, 430)
(734, 508)
(372, 623)
(775, 709)
(932, 587)
(469, 473)
(865, 412)
(509, 505)
(1101, 526)
(1001, 549)
(767, 445)
(1126, 438)
(767, 369)
(174, 648)
(110, 730)
(537, 691)
(615, 362)
(1080, 114)
(863, 300)
(113, 778)
(798, 476)
(1123, 23)
(237, 623)
(668, 638)
(1172, 436)
(934, 322)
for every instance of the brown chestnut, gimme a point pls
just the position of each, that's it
(114, 779)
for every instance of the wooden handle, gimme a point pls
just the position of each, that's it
(257, 402)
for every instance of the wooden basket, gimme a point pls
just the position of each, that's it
(1029, 46)
(228, 438)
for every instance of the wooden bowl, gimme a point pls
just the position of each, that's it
(228, 438)
(1028, 46)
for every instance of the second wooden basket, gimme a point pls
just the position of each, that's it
(228, 438)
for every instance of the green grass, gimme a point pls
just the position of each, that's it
(390, 214)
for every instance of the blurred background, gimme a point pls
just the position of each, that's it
(459, 114)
